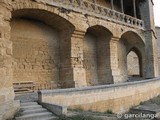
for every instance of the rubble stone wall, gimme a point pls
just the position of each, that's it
(36, 53)
(45, 41)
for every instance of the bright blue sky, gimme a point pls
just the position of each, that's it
(157, 12)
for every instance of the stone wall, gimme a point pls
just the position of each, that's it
(158, 44)
(35, 52)
(8, 106)
(118, 97)
(47, 44)
(75, 64)
(90, 59)
(133, 64)
(147, 14)
(97, 56)
(73, 27)
(122, 61)
(128, 43)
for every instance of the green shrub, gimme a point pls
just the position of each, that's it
(108, 112)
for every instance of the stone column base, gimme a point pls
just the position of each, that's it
(79, 76)
(72, 77)
(8, 109)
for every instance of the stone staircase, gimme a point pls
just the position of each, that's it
(34, 111)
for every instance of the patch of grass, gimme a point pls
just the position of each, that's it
(78, 117)
(108, 112)
(63, 117)
(9, 119)
(88, 113)
(141, 103)
(77, 109)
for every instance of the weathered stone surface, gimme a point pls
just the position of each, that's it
(73, 43)
(158, 44)
(36, 53)
(118, 98)
(8, 109)
(133, 64)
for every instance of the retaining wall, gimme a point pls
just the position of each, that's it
(117, 97)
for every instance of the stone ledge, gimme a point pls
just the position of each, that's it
(97, 87)
(56, 109)
(118, 97)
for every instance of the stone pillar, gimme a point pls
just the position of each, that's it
(114, 59)
(79, 73)
(151, 59)
(122, 7)
(7, 106)
(158, 45)
(72, 73)
(112, 5)
(134, 8)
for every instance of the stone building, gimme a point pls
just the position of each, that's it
(73, 43)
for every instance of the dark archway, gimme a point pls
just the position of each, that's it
(134, 64)
(130, 41)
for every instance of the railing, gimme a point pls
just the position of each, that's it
(93, 9)
(46, 86)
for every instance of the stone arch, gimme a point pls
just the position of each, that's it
(97, 55)
(134, 64)
(133, 31)
(35, 5)
(130, 41)
(107, 25)
(46, 17)
(49, 48)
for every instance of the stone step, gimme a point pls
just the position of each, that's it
(29, 103)
(31, 107)
(31, 111)
(34, 111)
(37, 116)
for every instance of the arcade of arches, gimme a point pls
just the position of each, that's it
(41, 52)
(66, 44)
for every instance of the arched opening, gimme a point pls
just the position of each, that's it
(134, 65)
(131, 57)
(40, 48)
(97, 56)
(129, 10)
